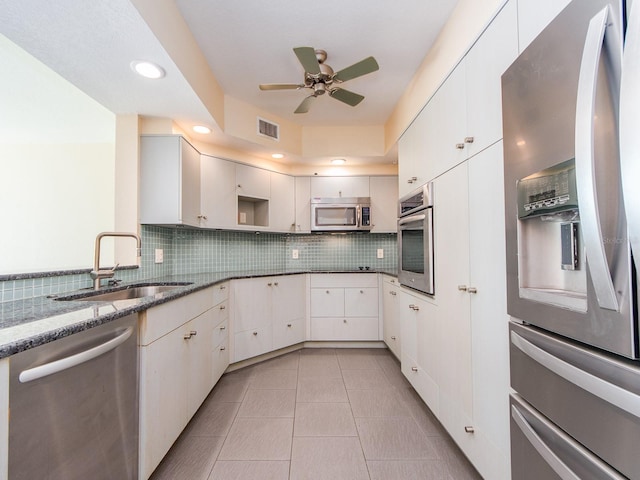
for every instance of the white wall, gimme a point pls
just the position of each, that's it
(57, 150)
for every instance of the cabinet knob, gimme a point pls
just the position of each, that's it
(462, 288)
(202, 217)
(223, 348)
(193, 333)
(289, 325)
(414, 307)
(469, 429)
(392, 293)
(468, 139)
(460, 146)
(222, 287)
(187, 336)
(344, 320)
(361, 291)
(223, 328)
(222, 307)
(255, 333)
(327, 291)
(414, 369)
(269, 284)
(393, 338)
(239, 186)
(472, 290)
(276, 284)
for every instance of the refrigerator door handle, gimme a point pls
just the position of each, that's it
(584, 151)
(593, 464)
(629, 121)
(610, 393)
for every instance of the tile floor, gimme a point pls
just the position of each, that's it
(316, 414)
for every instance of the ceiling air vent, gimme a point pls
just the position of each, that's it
(268, 129)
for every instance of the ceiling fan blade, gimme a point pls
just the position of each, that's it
(280, 86)
(307, 57)
(346, 96)
(363, 67)
(304, 106)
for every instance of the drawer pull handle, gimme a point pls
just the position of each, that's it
(276, 284)
(469, 429)
(473, 290)
(462, 288)
(393, 293)
(223, 327)
(460, 146)
(255, 333)
(289, 325)
(393, 338)
(222, 307)
(414, 369)
(223, 348)
(269, 284)
(193, 333)
(415, 308)
(468, 139)
(187, 336)
(222, 287)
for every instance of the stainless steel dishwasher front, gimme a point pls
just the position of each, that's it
(74, 406)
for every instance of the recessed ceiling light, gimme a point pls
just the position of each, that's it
(148, 69)
(277, 155)
(338, 161)
(201, 129)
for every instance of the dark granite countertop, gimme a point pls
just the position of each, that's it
(28, 323)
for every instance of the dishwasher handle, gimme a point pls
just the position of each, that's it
(73, 360)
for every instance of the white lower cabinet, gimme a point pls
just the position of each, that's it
(344, 307)
(268, 314)
(4, 419)
(177, 364)
(391, 315)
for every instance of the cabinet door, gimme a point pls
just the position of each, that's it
(361, 302)
(412, 151)
(391, 322)
(303, 204)
(252, 303)
(163, 401)
(384, 204)
(252, 343)
(451, 228)
(288, 298)
(288, 333)
(190, 157)
(327, 302)
(282, 204)
(200, 352)
(446, 125)
(218, 192)
(492, 54)
(253, 182)
(335, 187)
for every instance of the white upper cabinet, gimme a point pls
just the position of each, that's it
(534, 16)
(253, 182)
(384, 204)
(496, 49)
(412, 156)
(335, 187)
(169, 181)
(282, 211)
(303, 205)
(218, 192)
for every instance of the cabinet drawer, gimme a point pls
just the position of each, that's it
(220, 360)
(220, 332)
(220, 292)
(288, 333)
(252, 343)
(158, 321)
(221, 312)
(360, 302)
(344, 280)
(392, 339)
(426, 387)
(346, 329)
(327, 302)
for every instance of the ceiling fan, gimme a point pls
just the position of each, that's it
(320, 78)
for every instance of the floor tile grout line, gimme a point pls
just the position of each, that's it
(293, 426)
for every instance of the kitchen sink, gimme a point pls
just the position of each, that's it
(128, 293)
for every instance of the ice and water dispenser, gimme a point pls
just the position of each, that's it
(550, 257)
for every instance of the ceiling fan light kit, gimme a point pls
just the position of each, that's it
(320, 78)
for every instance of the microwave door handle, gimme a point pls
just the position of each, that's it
(585, 168)
(411, 219)
(629, 120)
(358, 216)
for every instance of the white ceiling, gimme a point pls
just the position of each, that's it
(246, 42)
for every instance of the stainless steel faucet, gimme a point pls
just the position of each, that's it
(98, 274)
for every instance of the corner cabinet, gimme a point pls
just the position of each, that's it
(218, 193)
(169, 181)
(182, 355)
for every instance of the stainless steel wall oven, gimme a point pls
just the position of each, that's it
(415, 240)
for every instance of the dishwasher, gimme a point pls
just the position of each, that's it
(74, 406)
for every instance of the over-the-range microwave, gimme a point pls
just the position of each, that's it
(341, 214)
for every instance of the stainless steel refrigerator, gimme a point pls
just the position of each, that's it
(571, 119)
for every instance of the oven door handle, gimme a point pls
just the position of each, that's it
(412, 218)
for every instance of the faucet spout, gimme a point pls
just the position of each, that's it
(97, 274)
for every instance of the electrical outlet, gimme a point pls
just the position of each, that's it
(159, 255)
(294, 254)
(380, 253)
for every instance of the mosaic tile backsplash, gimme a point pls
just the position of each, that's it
(197, 251)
